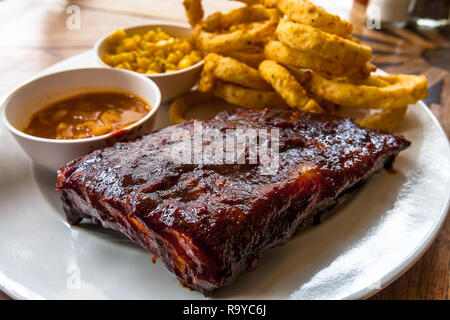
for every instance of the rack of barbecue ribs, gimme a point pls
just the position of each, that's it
(210, 221)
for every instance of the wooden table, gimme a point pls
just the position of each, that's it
(34, 35)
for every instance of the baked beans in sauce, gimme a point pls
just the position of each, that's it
(87, 115)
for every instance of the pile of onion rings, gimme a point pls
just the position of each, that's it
(293, 54)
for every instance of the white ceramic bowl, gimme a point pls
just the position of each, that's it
(171, 84)
(36, 94)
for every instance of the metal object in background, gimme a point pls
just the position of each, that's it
(430, 13)
(388, 13)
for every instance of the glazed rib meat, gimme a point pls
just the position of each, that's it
(209, 221)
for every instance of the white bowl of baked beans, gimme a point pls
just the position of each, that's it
(62, 116)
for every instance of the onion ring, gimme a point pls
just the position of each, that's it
(209, 40)
(396, 91)
(269, 3)
(229, 70)
(305, 12)
(287, 86)
(181, 105)
(194, 11)
(249, 2)
(252, 57)
(301, 75)
(319, 43)
(248, 98)
(285, 55)
(387, 120)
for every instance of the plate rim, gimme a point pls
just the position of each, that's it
(423, 246)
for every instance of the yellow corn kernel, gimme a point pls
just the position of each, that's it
(169, 66)
(185, 47)
(129, 44)
(117, 36)
(179, 53)
(184, 63)
(162, 44)
(173, 58)
(161, 35)
(120, 49)
(195, 56)
(150, 47)
(150, 36)
(127, 57)
(160, 54)
(137, 38)
(143, 54)
(143, 63)
(161, 62)
(115, 60)
(154, 67)
(107, 58)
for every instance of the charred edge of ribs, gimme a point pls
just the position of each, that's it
(208, 223)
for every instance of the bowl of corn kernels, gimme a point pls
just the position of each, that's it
(163, 52)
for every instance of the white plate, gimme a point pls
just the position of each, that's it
(369, 242)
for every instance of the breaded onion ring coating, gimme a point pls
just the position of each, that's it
(181, 105)
(248, 98)
(281, 53)
(287, 86)
(396, 91)
(388, 120)
(269, 3)
(319, 43)
(194, 11)
(249, 2)
(252, 57)
(229, 70)
(302, 75)
(305, 12)
(260, 22)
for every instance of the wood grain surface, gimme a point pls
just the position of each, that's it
(34, 36)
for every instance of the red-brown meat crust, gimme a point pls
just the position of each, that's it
(208, 223)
